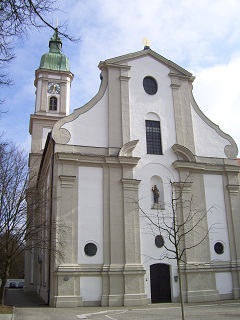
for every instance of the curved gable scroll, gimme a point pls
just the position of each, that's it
(231, 149)
(184, 153)
(62, 135)
(126, 150)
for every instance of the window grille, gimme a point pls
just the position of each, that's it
(153, 137)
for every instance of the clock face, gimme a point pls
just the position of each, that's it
(53, 87)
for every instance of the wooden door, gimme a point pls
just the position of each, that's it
(160, 283)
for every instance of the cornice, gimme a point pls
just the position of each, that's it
(205, 167)
(183, 187)
(98, 160)
(233, 189)
(96, 269)
(67, 181)
(104, 64)
(124, 78)
(46, 72)
(213, 266)
(130, 184)
(148, 52)
(178, 76)
(43, 117)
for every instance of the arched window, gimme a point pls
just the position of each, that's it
(153, 137)
(53, 104)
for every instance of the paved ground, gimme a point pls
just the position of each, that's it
(21, 299)
(30, 307)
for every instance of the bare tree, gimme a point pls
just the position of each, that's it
(17, 17)
(21, 230)
(178, 226)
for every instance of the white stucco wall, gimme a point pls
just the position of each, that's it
(216, 216)
(208, 143)
(152, 168)
(224, 282)
(91, 127)
(45, 132)
(150, 254)
(90, 213)
(152, 107)
(91, 288)
(217, 221)
(68, 88)
(38, 95)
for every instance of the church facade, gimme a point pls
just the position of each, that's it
(137, 159)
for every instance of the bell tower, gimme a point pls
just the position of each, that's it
(52, 81)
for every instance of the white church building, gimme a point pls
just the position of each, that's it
(119, 168)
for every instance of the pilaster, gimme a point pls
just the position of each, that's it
(182, 110)
(68, 221)
(234, 225)
(68, 287)
(133, 269)
(124, 83)
(68, 281)
(198, 286)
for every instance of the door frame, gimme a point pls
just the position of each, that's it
(162, 273)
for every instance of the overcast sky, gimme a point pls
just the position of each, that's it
(201, 36)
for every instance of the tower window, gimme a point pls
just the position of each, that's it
(53, 104)
(153, 137)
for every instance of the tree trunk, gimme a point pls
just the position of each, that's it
(4, 278)
(180, 289)
(2, 291)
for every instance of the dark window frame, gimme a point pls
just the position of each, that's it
(90, 249)
(219, 247)
(153, 137)
(150, 85)
(53, 103)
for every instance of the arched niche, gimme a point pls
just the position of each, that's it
(157, 181)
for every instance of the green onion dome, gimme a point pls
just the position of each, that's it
(54, 59)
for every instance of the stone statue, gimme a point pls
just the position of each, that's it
(155, 193)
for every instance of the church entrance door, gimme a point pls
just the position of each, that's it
(160, 283)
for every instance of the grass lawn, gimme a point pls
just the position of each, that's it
(6, 309)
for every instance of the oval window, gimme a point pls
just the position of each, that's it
(219, 248)
(150, 85)
(90, 249)
(159, 241)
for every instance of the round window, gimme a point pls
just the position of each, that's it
(90, 249)
(150, 85)
(218, 248)
(159, 241)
